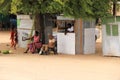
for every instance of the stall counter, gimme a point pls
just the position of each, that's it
(66, 43)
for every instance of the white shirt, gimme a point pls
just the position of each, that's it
(70, 29)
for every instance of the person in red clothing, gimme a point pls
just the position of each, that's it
(15, 38)
(12, 36)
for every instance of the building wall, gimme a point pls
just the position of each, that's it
(111, 40)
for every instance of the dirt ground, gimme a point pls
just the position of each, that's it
(20, 66)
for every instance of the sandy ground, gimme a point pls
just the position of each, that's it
(20, 66)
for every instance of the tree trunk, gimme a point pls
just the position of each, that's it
(114, 8)
(37, 25)
(78, 36)
(40, 26)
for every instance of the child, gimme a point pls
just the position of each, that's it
(45, 47)
(15, 38)
(12, 36)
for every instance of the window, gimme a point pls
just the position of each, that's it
(112, 30)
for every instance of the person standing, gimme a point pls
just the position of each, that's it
(12, 36)
(15, 38)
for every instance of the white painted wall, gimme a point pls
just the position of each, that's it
(110, 44)
(66, 43)
(89, 41)
(24, 29)
(23, 33)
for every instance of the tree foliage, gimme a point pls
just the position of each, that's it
(5, 6)
(78, 8)
(74, 8)
(101, 8)
(36, 6)
(87, 8)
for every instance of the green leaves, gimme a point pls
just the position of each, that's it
(14, 6)
(4, 6)
(52, 6)
(73, 8)
(78, 8)
(1, 1)
(87, 8)
(101, 8)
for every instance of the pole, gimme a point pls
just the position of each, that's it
(114, 9)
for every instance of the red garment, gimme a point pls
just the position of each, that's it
(33, 46)
(36, 39)
(12, 38)
(12, 35)
(36, 44)
(16, 37)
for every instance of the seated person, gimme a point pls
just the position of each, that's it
(36, 44)
(70, 28)
(51, 45)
